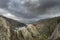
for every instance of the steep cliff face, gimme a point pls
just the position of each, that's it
(56, 34)
(48, 28)
(7, 28)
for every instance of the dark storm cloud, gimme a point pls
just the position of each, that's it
(28, 8)
(28, 11)
(3, 3)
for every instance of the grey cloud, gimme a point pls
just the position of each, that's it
(28, 11)
(28, 8)
(3, 3)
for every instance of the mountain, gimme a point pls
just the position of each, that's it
(47, 29)
(12, 22)
(6, 27)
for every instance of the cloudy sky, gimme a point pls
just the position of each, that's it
(28, 11)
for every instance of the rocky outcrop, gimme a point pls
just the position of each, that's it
(8, 28)
(13, 30)
(56, 34)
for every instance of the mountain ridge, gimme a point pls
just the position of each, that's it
(41, 30)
